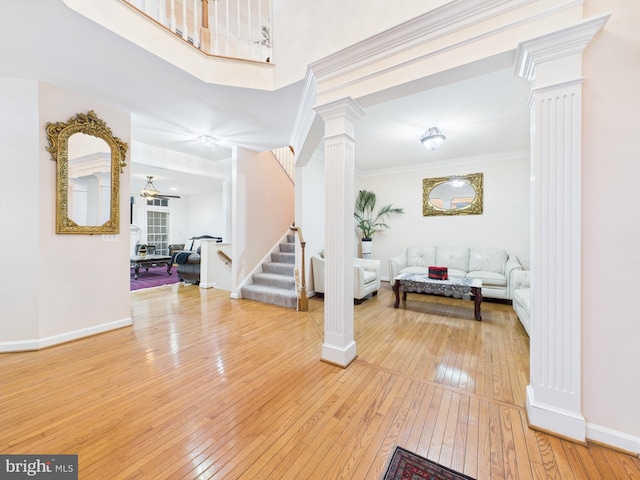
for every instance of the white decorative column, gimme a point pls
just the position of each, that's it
(339, 117)
(78, 197)
(104, 197)
(553, 64)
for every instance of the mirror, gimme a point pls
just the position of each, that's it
(457, 195)
(89, 162)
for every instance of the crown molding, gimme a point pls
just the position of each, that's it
(474, 161)
(305, 114)
(436, 23)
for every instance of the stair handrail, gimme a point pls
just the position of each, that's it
(226, 257)
(303, 301)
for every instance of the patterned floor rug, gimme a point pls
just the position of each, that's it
(405, 465)
(155, 277)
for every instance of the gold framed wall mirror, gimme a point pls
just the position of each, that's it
(89, 162)
(456, 195)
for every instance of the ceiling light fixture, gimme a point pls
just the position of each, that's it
(208, 140)
(433, 138)
(149, 191)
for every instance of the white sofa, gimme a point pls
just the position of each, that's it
(522, 298)
(366, 277)
(493, 266)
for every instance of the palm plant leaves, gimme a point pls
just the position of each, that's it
(368, 222)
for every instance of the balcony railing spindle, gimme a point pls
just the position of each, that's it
(239, 25)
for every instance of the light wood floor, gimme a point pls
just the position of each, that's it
(203, 386)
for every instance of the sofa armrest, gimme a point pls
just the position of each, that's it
(317, 265)
(521, 279)
(512, 265)
(193, 258)
(396, 264)
(361, 265)
(358, 281)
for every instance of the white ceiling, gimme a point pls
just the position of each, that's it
(481, 115)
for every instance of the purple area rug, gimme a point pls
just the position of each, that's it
(155, 277)
(405, 465)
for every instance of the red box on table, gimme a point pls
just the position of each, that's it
(438, 273)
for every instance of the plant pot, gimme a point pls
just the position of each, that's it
(366, 247)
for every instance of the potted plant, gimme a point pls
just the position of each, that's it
(368, 222)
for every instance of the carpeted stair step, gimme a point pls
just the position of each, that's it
(274, 280)
(272, 295)
(279, 268)
(288, 247)
(276, 283)
(283, 257)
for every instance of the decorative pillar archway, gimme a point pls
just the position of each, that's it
(340, 118)
(553, 63)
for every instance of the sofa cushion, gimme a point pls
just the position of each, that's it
(421, 256)
(487, 259)
(489, 279)
(420, 270)
(453, 257)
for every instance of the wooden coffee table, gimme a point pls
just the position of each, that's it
(456, 287)
(147, 261)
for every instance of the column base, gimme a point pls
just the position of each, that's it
(340, 356)
(556, 421)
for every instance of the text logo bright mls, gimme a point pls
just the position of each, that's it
(50, 467)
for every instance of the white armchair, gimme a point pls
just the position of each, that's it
(366, 277)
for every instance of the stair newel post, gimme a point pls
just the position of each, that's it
(205, 33)
(303, 301)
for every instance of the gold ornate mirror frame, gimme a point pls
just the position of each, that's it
(466, 206)
(58, 135)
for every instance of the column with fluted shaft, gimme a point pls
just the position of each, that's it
(553, 64)
(340, 118)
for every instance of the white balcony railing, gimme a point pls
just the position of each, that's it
(229, 28)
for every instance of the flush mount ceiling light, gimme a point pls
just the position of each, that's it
(208, 140)
(433, 138)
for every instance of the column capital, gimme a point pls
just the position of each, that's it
(340, 116)
(556, 45)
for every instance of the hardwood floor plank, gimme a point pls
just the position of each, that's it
(523, 460)
(204, 386)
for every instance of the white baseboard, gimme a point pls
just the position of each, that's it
(40, 343)
(207, 285)
(20, 346)
(613, 438)
(559, 421)
(337, 355)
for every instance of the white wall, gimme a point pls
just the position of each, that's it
(206, 215)
(611, 224)
(323, 28)
(179, 230)
(310, 211)
(189, 216)
(71, 282)
(55, 289)
(503, 224)
(19, 209)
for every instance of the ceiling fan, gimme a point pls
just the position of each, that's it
(150, 191)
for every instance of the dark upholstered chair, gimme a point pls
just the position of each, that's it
(188, 261)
